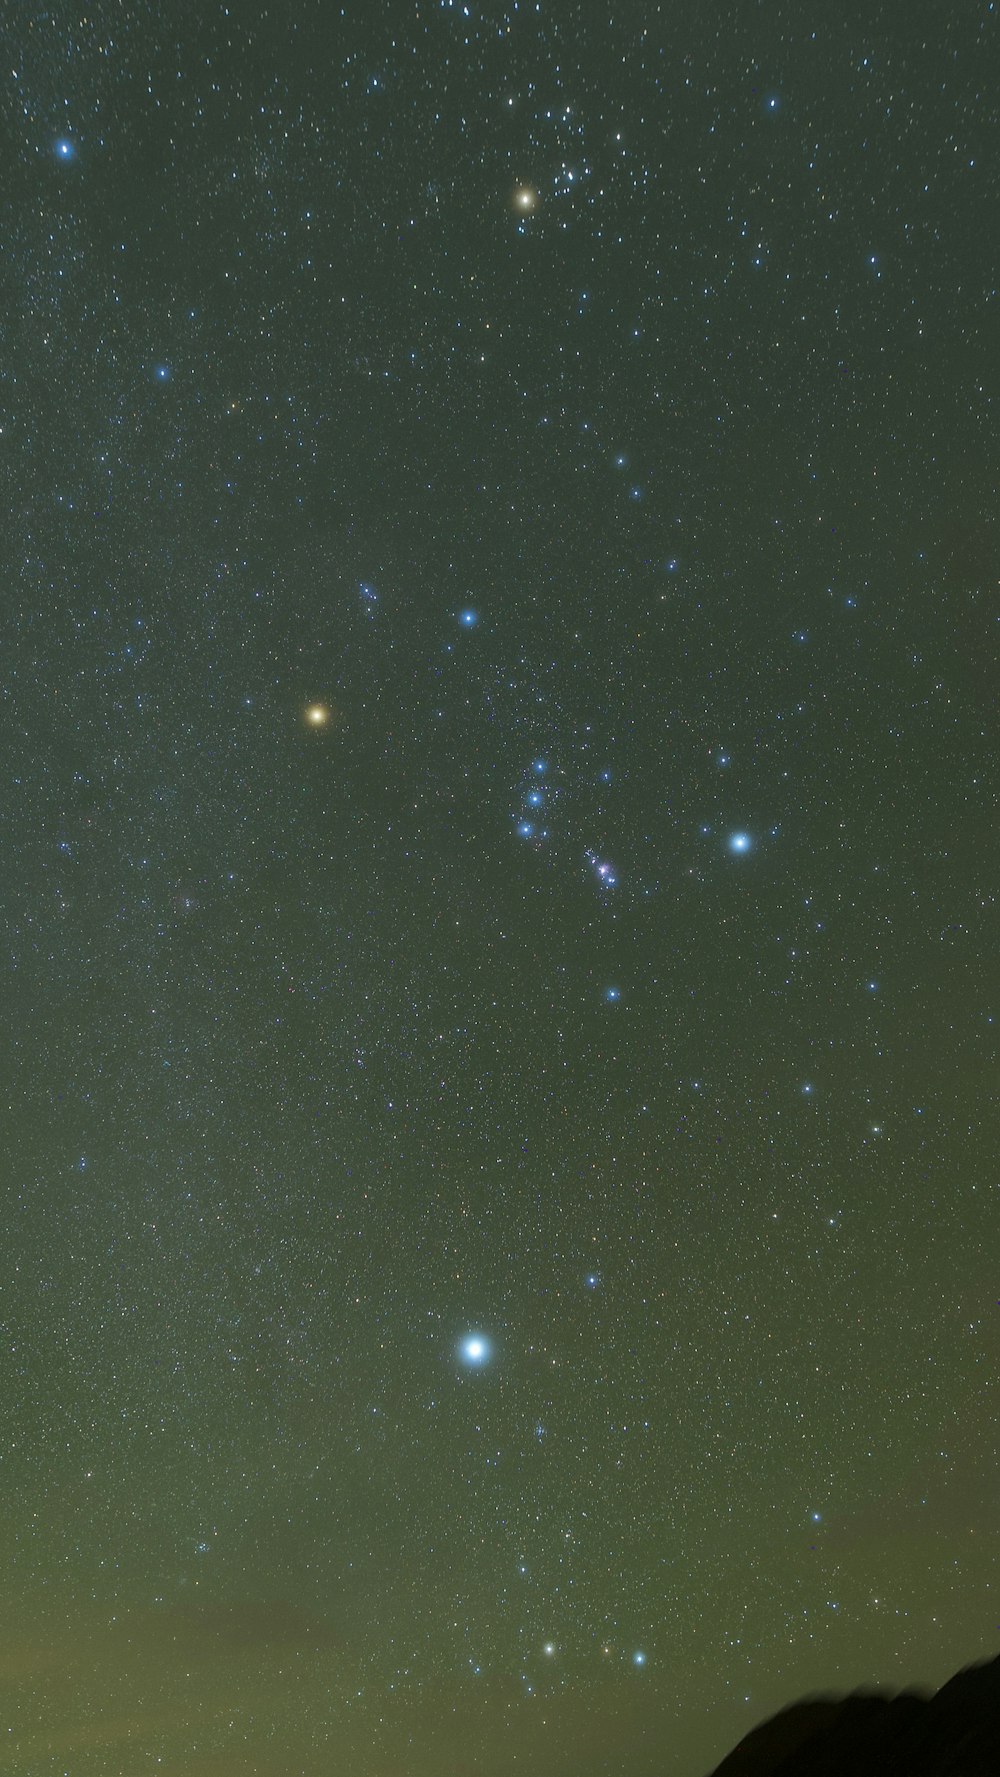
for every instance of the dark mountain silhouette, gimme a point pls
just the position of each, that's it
(953, 1733)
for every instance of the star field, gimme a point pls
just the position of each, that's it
(499, 667)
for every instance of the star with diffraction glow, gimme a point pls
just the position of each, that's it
(475, 1350)
(317, 715)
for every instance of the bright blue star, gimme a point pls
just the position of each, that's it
(808, 1089)
(592, 1280)
(468, 618)
(638, 1658)
(739, 842)
(525, 829)
(540, 765)
(65, 149)
(162, 373)
(535, 799)
(612, 994)
(475, 1350)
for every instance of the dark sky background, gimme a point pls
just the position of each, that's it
(500, 1244)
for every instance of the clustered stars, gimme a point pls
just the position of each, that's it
(537, 795)
(603, 870)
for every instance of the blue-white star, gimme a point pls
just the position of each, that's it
(475, 1350)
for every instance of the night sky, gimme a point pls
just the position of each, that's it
(500, 1237)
